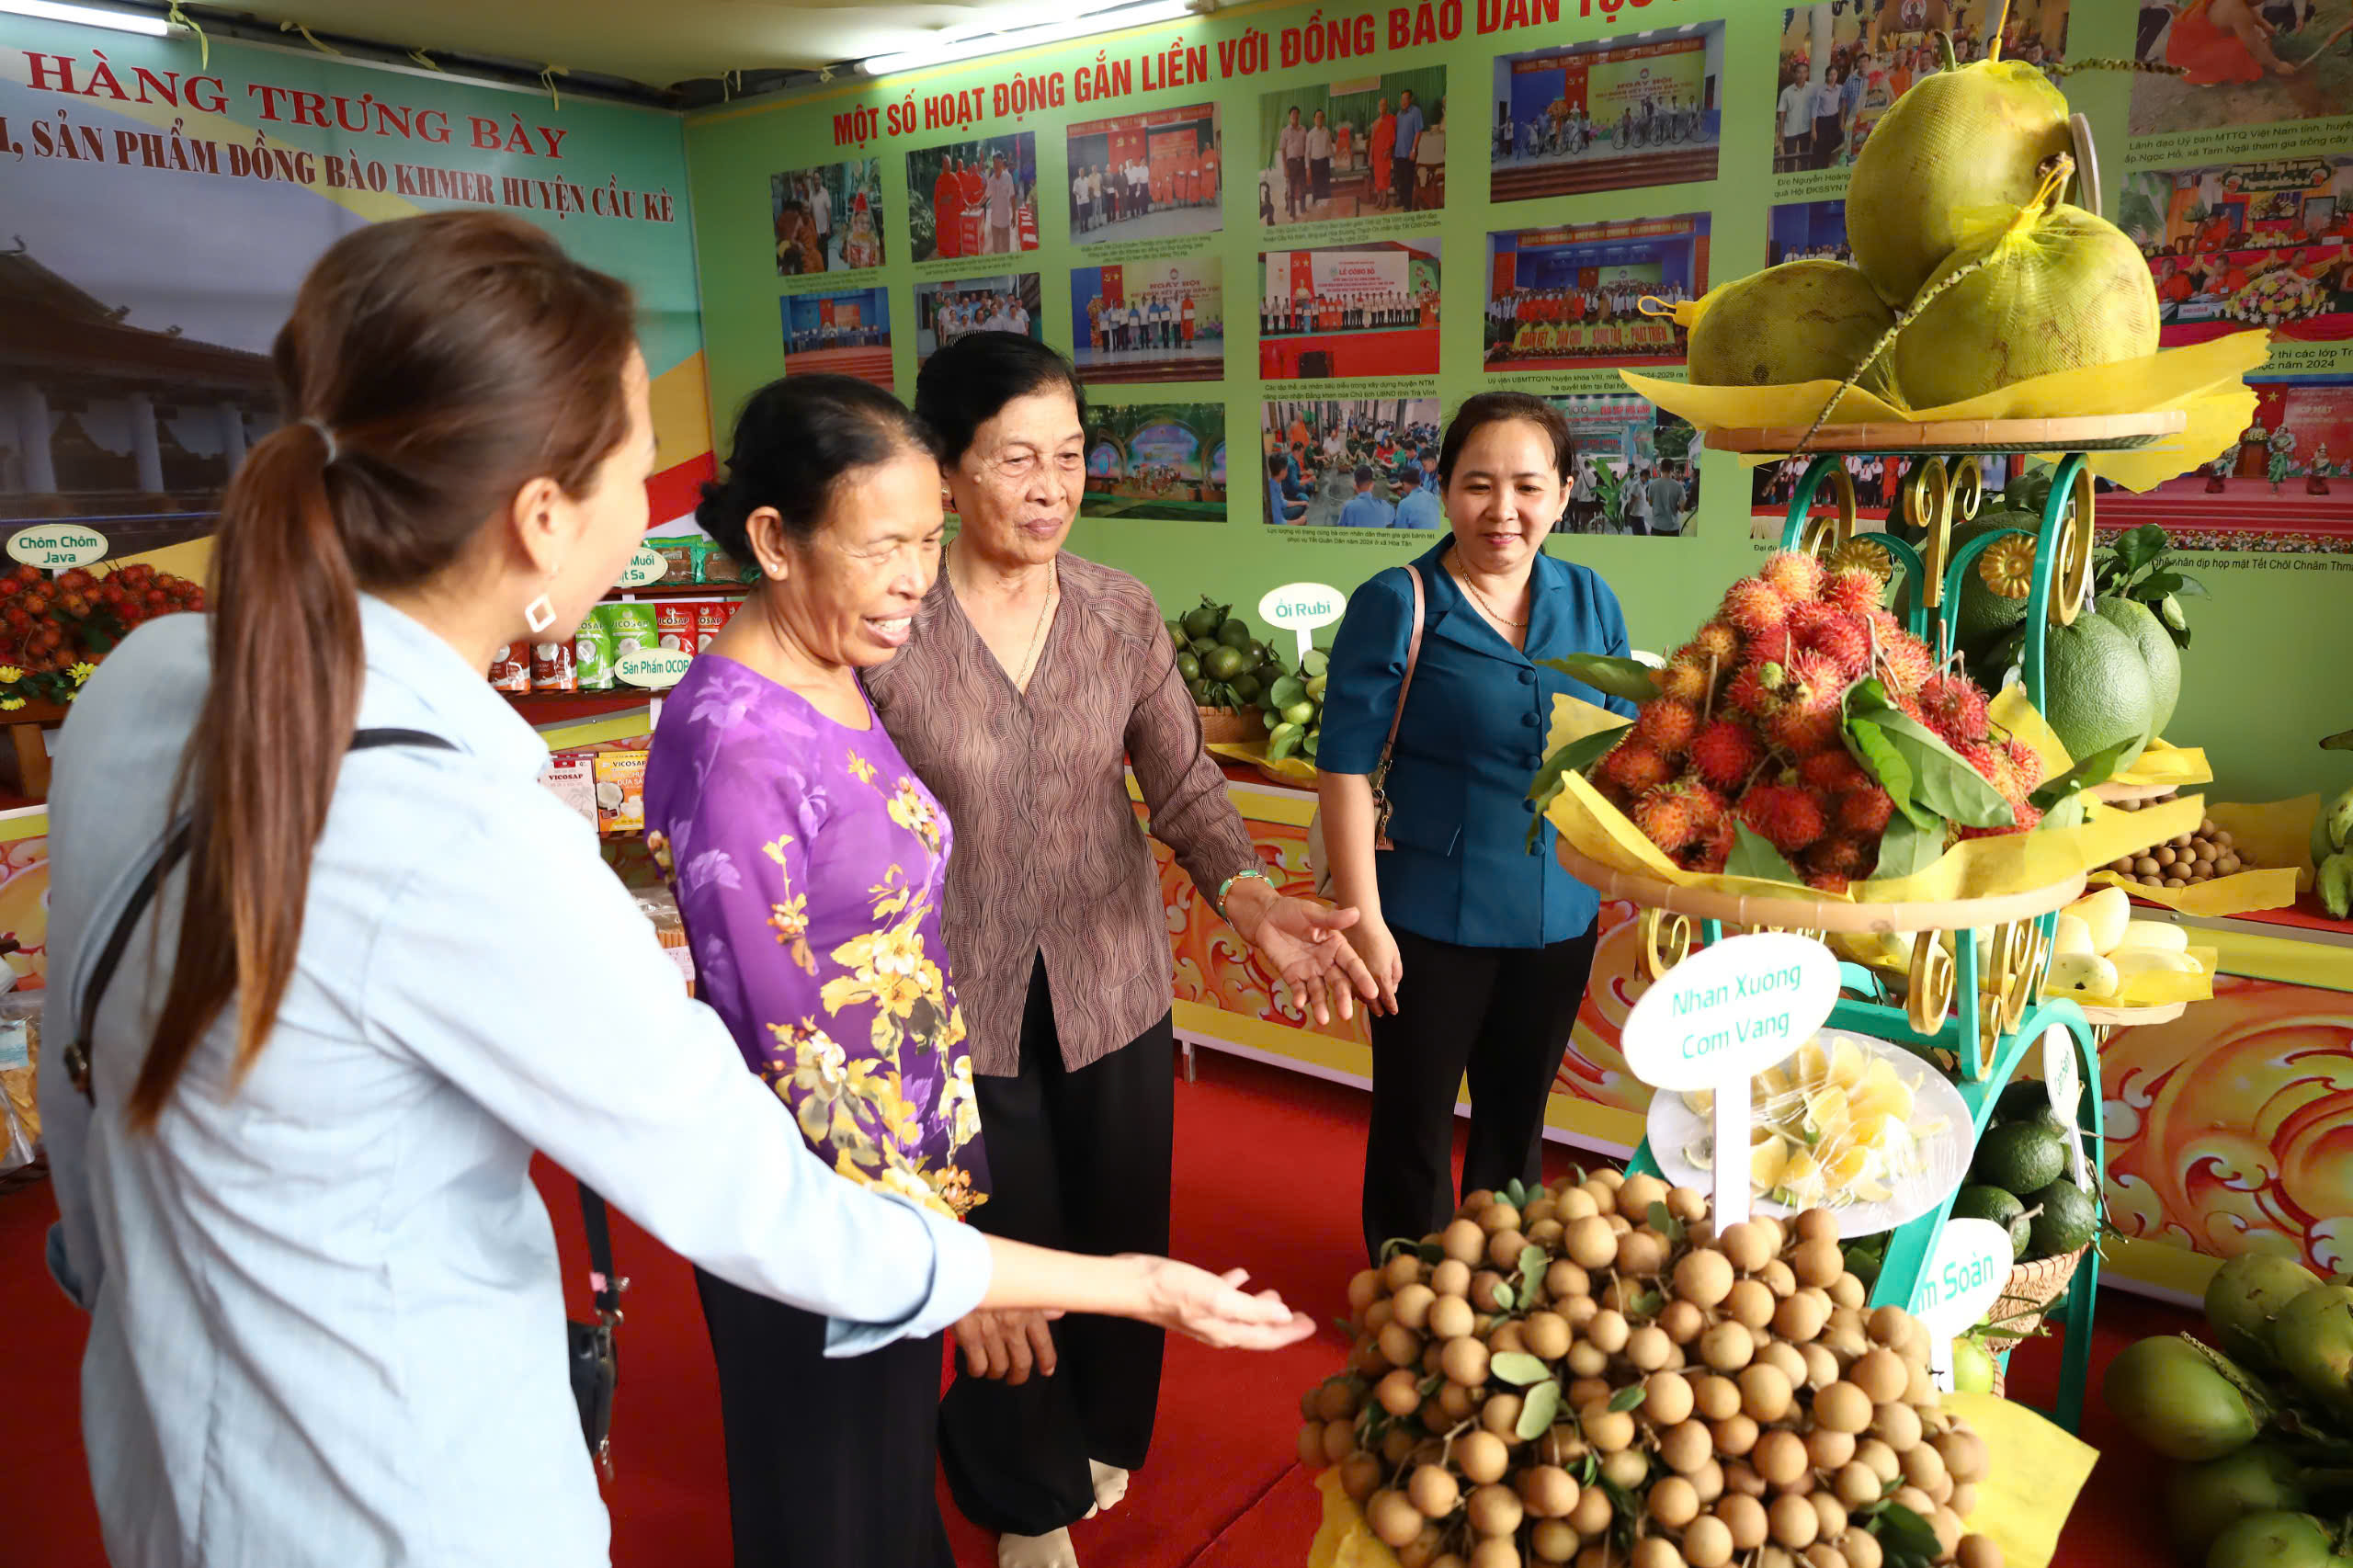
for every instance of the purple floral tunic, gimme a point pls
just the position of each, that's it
(809, 861)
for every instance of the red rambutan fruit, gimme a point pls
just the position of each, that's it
(2026, 766)
(1665, 817)
(1796, 577)
(2030, 817)
(1806, 618)
(1864, 809)
(1801, 731)
(1840, 856)
(1711, 850)
(1726, 752)
(1956, 709)
(1720, 640)
(1831, 771)
(1785, 815)
(1635, 766)
(1667, 724)
(1684, 679)
(1856, 590)
(1906, 664)
(1845, 640)
(1751, 693)
(1774, 645)
(1752, 607)
(1827, 882)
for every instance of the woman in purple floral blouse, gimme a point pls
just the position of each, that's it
(809, 862)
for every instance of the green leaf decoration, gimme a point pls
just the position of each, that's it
(1505, 1299)
(1629, 1397)
(1753, 857)
(2189, 587)
(1286, 691)
(1866, 697)
(1396, 1244)
(1941, 781)
(1283, 741)
(1537, 1409)
(1533, 1262)
(1514, 1194)
(1574, 757)
(1430, 1253)
(1884, 762)
(1517, 1369)
(1317, 663)
(1629, 678)
(1900, 1530)
(1907, 848)
(1646, 1305)
(1664, 1221)
(2068, 813)
(2096, 768)
(2341, 741)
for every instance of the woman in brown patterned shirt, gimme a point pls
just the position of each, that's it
(1033, 682)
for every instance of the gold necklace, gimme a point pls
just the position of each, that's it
(1037, 632)
(1459, 576)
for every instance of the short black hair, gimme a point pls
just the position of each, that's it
(795, 441)
(1277, 464)
(969, 382)
(1495, 407)
(1364, 475)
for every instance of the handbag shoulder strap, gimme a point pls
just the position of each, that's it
(1413, 657)
(174, 850)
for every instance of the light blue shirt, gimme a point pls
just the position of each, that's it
(1409, 130)
(1419, 509)
(1366, 511)
(326, 1320)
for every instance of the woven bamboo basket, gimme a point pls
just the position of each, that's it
(1221, 728)
(2031, 1287)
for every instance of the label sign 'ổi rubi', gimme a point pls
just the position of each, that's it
(1717, 1020)
(645, 566)
(1301, 607)
(654, 668)
(57, 547)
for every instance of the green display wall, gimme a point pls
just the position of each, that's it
(2256, 694)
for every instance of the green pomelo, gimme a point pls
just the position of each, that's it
(1977, 1201)
(2274, 1540)
(2027, 1099)
(1972, 1367)
(2019, 1156)
(2168, 1395)
(2204, 1500)
(2246, 1293)
(2064, 290)
(1802, 321)
(2139, 623)
(2313, 1337)
(2097, 689)
(2069, 1219)
(1955, 145)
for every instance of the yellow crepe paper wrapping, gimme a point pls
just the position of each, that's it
(2170, 766)
(2023, 1503)
(2159, 765)
(2276, 836)
(2206, 380)
(1292, 769)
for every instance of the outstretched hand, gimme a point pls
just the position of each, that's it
(1215, 1310)
(1303, 943)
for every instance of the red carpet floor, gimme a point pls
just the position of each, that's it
(1266, 1179)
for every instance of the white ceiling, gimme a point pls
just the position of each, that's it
(656, 43)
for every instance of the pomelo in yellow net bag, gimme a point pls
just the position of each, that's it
(1956, 142)
(1802, 321)
(2055, 289)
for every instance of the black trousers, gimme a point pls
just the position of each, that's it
(829, 1462)
(1077, 1161)
(1502, 1015)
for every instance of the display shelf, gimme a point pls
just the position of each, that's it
(679, 591)
(2132, 1018)
(2114, 794)
(2113, 432)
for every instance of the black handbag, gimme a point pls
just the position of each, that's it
(594, 1368)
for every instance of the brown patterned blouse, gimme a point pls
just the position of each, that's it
(1049, 855)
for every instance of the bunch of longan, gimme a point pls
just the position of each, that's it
(1589, 1375)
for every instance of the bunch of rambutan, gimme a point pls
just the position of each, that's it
(1748, 727)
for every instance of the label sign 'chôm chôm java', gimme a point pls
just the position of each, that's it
(57, 547)
(645, 566)
(1301, 607)
(656, 669)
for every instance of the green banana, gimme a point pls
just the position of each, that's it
(2334, 884)
(2333, 828)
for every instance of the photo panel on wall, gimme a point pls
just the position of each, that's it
(958, 307)
(1572, 297)
(2282, 488)
(1156, 461)
(844, 332)
(2249, 63)
(976, 198)
(828, 219)
(1845, 62)
(1609, 114)
(1149, 321)
(1349, 310)
(1637, 466)
(2235, 246)
(1807, 231)
(1146, 177)
(1352, 148)
(1351, 462)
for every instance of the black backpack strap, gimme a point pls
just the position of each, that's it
(174, 850)
(603, 1284)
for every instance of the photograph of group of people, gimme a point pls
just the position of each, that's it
(1844, 63)
(1367, 309)
(2236, 245)
(947, 311)
(1351, 148)
(1163, 461)
(1637, 472)
(2285, 476)
(1807, 231)
(1878, 479)
(976, 198)
(1558, 298)
(1146, 177)
(1351, 463)
(1153, 321)
(828, 219)
(1612, 114)
(846, 332)
(2240, 62)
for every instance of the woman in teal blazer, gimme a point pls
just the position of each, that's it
(1481, 946)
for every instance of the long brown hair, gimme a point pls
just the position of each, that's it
(432, 368)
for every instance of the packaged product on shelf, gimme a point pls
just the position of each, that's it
(621, 791)
(710, 616)
(677, 557)
(511, 671)
(19, 1063)
(573, 777)
(715, 566)
(632, 627)
(674, 626)
(669, 929)
(551, 667)
(593, 653)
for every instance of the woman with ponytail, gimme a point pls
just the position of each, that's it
(327, 1321)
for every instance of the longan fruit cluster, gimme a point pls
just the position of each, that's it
(1589, 1375)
